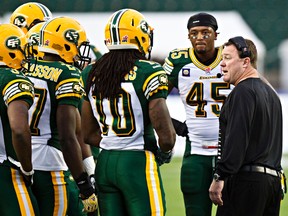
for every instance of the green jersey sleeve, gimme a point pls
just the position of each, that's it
(176, 59)
(16, 86)
(153, 79)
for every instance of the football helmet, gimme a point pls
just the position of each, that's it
(128, 29)
(29, 14)
(65, 37)
(33, 41)
(12, 45)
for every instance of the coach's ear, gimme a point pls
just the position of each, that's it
(246, 62)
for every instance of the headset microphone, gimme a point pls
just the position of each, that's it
(219, 75)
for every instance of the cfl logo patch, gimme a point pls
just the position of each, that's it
(13, 42)
(186, 72)
(71, 35)
(77, 87)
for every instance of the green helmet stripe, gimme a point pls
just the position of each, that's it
(41, 32)
(44, 10)
(114, 26)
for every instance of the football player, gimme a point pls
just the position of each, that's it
(196, 73)
(17, 93)
(55, 119)
(126, 99)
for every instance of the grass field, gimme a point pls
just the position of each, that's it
(174, 200)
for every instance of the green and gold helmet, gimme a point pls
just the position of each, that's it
(64, 36)
(29, 14)
(128, 29)
(12, 46)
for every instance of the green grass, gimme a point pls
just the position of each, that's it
(174, 200)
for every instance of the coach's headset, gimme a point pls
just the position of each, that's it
(241, 46)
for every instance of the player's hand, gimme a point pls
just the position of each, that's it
(180, 127)
(90, 204)
(215, 192)
(87, 193)
(27, 177)
(163, 157)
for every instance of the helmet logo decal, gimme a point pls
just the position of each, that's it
(107, 41)
(20, 21)
(47, 42)
(144, 26)
(71, 35)
(125, 38)
(13, 42)
(34, 39)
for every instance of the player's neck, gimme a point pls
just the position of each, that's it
(206, 58)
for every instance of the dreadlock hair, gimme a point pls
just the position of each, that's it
(109, 71)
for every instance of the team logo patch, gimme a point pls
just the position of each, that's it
(13, 42)
(71, 35)
(78, 88)
(186, 72)
(163, 79)
(25, 86)
(20, 21)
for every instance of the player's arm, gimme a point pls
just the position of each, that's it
(21, 136)
(90, 127)
(87, 157)
(161, 121)
(67, 124)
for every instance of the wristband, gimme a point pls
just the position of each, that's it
(89, 165)
(30, 173)
(84, 185)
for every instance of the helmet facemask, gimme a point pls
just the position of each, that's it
(83, 57)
